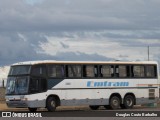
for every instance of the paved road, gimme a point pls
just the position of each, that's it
(105, 113)
(136, 112)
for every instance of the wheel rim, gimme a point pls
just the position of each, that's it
(115, 102)
(129, 102)
(52, 103)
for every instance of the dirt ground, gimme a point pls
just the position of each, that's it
(3, 107)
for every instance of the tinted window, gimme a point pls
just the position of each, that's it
(39, 70)
(90, 71)
(123, 71)
(107, 71)
(138, 71)
(56, 71)
(37, 85)
(19, 70)
(34, 85)
(150, 71)
(74, 70)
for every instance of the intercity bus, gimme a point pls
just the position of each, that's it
(112, 84)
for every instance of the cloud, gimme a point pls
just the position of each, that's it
(78, 30)
(93, 43)
(16, 47)
(64, 45)
(79, 15)
(79, 56)
(33, 2)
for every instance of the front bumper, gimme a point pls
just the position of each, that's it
(26, 104)
(17, 104)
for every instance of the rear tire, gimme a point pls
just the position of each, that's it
(114, 102)
(51, 104)
(128, 102)
(94, 107)
(32, 109)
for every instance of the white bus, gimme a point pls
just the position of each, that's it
(49, 84)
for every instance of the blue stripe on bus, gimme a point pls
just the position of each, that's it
(106, 84)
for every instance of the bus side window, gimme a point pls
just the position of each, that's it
(56, 71)
(122, 71)
(74, 71)
(151, 71)
(106, 71)
(39, 70)
(90, 71)
(37, 85)
(138, 71)
(34, 85)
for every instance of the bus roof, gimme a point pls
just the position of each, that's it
(83, 62)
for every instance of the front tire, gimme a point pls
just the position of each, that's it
(114, 103)
(94, 107)
(51, 104)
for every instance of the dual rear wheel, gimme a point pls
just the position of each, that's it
(128, 102)
(115, 103)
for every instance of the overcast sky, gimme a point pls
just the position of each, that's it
(79, 30)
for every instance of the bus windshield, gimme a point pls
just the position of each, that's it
(20, 70)
(17, 85)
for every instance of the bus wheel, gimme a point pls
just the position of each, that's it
(128, 102)
(114, 102)
(51, 104)
(32, 109)
(94, 107)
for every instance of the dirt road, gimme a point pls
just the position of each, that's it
(3, 107)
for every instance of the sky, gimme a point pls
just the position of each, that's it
(90, 30)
